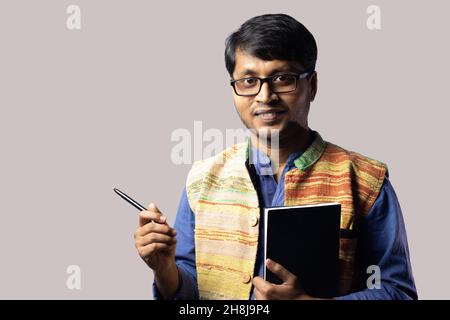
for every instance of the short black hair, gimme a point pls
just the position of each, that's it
(272, 37)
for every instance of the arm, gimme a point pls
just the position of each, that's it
(185, 254)
(383, 242)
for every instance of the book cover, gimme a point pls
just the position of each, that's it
(305, 240)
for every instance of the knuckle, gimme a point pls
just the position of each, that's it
(149, 227)
(155, 215)
(143, 214)
(152, 237)
(139, 242)
(166, 229)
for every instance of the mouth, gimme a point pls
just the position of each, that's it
(269, 115)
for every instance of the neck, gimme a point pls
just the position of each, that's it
(295, 142)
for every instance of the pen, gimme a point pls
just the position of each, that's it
(130, 200)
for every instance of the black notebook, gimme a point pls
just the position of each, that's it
(305, 240)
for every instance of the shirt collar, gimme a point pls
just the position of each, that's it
(302, 159)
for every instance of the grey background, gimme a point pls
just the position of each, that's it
(84, 111)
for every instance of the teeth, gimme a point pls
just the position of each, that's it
(268, 115)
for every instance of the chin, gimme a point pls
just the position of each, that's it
(269, 131)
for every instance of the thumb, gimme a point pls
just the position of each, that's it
(281, 272)
(151, 214)
(159, 216)
(154, 208)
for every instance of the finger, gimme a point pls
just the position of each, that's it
(265, 289)
(259, 283)
(155, 227)
(155, 238)
(258, 295)
(159, 228)
(153, 207)
(146, 216)
(152, 248)
(281, 272)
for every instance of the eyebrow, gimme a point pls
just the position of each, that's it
(250, 72)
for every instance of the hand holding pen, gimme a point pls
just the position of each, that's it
(156, 243)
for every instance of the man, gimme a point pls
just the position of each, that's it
(271, 60)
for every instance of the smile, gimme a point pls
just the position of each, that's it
(269, 115)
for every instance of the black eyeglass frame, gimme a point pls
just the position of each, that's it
(268, 80)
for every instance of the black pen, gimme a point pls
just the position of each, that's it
(130, 200)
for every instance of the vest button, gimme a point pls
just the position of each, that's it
(246, 278)
(254, 221)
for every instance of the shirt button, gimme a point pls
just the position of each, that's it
(246, 278)
(254, 221)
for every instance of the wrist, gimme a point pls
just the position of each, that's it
(165, 268)
(167, 280)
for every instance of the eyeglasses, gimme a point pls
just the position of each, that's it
(281, 83)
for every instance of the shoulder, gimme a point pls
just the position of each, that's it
(356, 160)
(217, 163)
(366, 174)
(224, 170)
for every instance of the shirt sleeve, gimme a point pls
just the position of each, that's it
(185, 253)
(383, 243)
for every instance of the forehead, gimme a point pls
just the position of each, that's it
(247, 64)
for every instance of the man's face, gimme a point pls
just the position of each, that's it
(286, 112)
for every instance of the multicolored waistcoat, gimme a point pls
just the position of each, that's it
(226, 207)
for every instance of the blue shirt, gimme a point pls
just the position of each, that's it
(382, 239)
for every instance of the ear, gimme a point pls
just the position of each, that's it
(313, 86)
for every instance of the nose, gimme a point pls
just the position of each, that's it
(265, 95)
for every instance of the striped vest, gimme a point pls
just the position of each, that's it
(225, 203)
